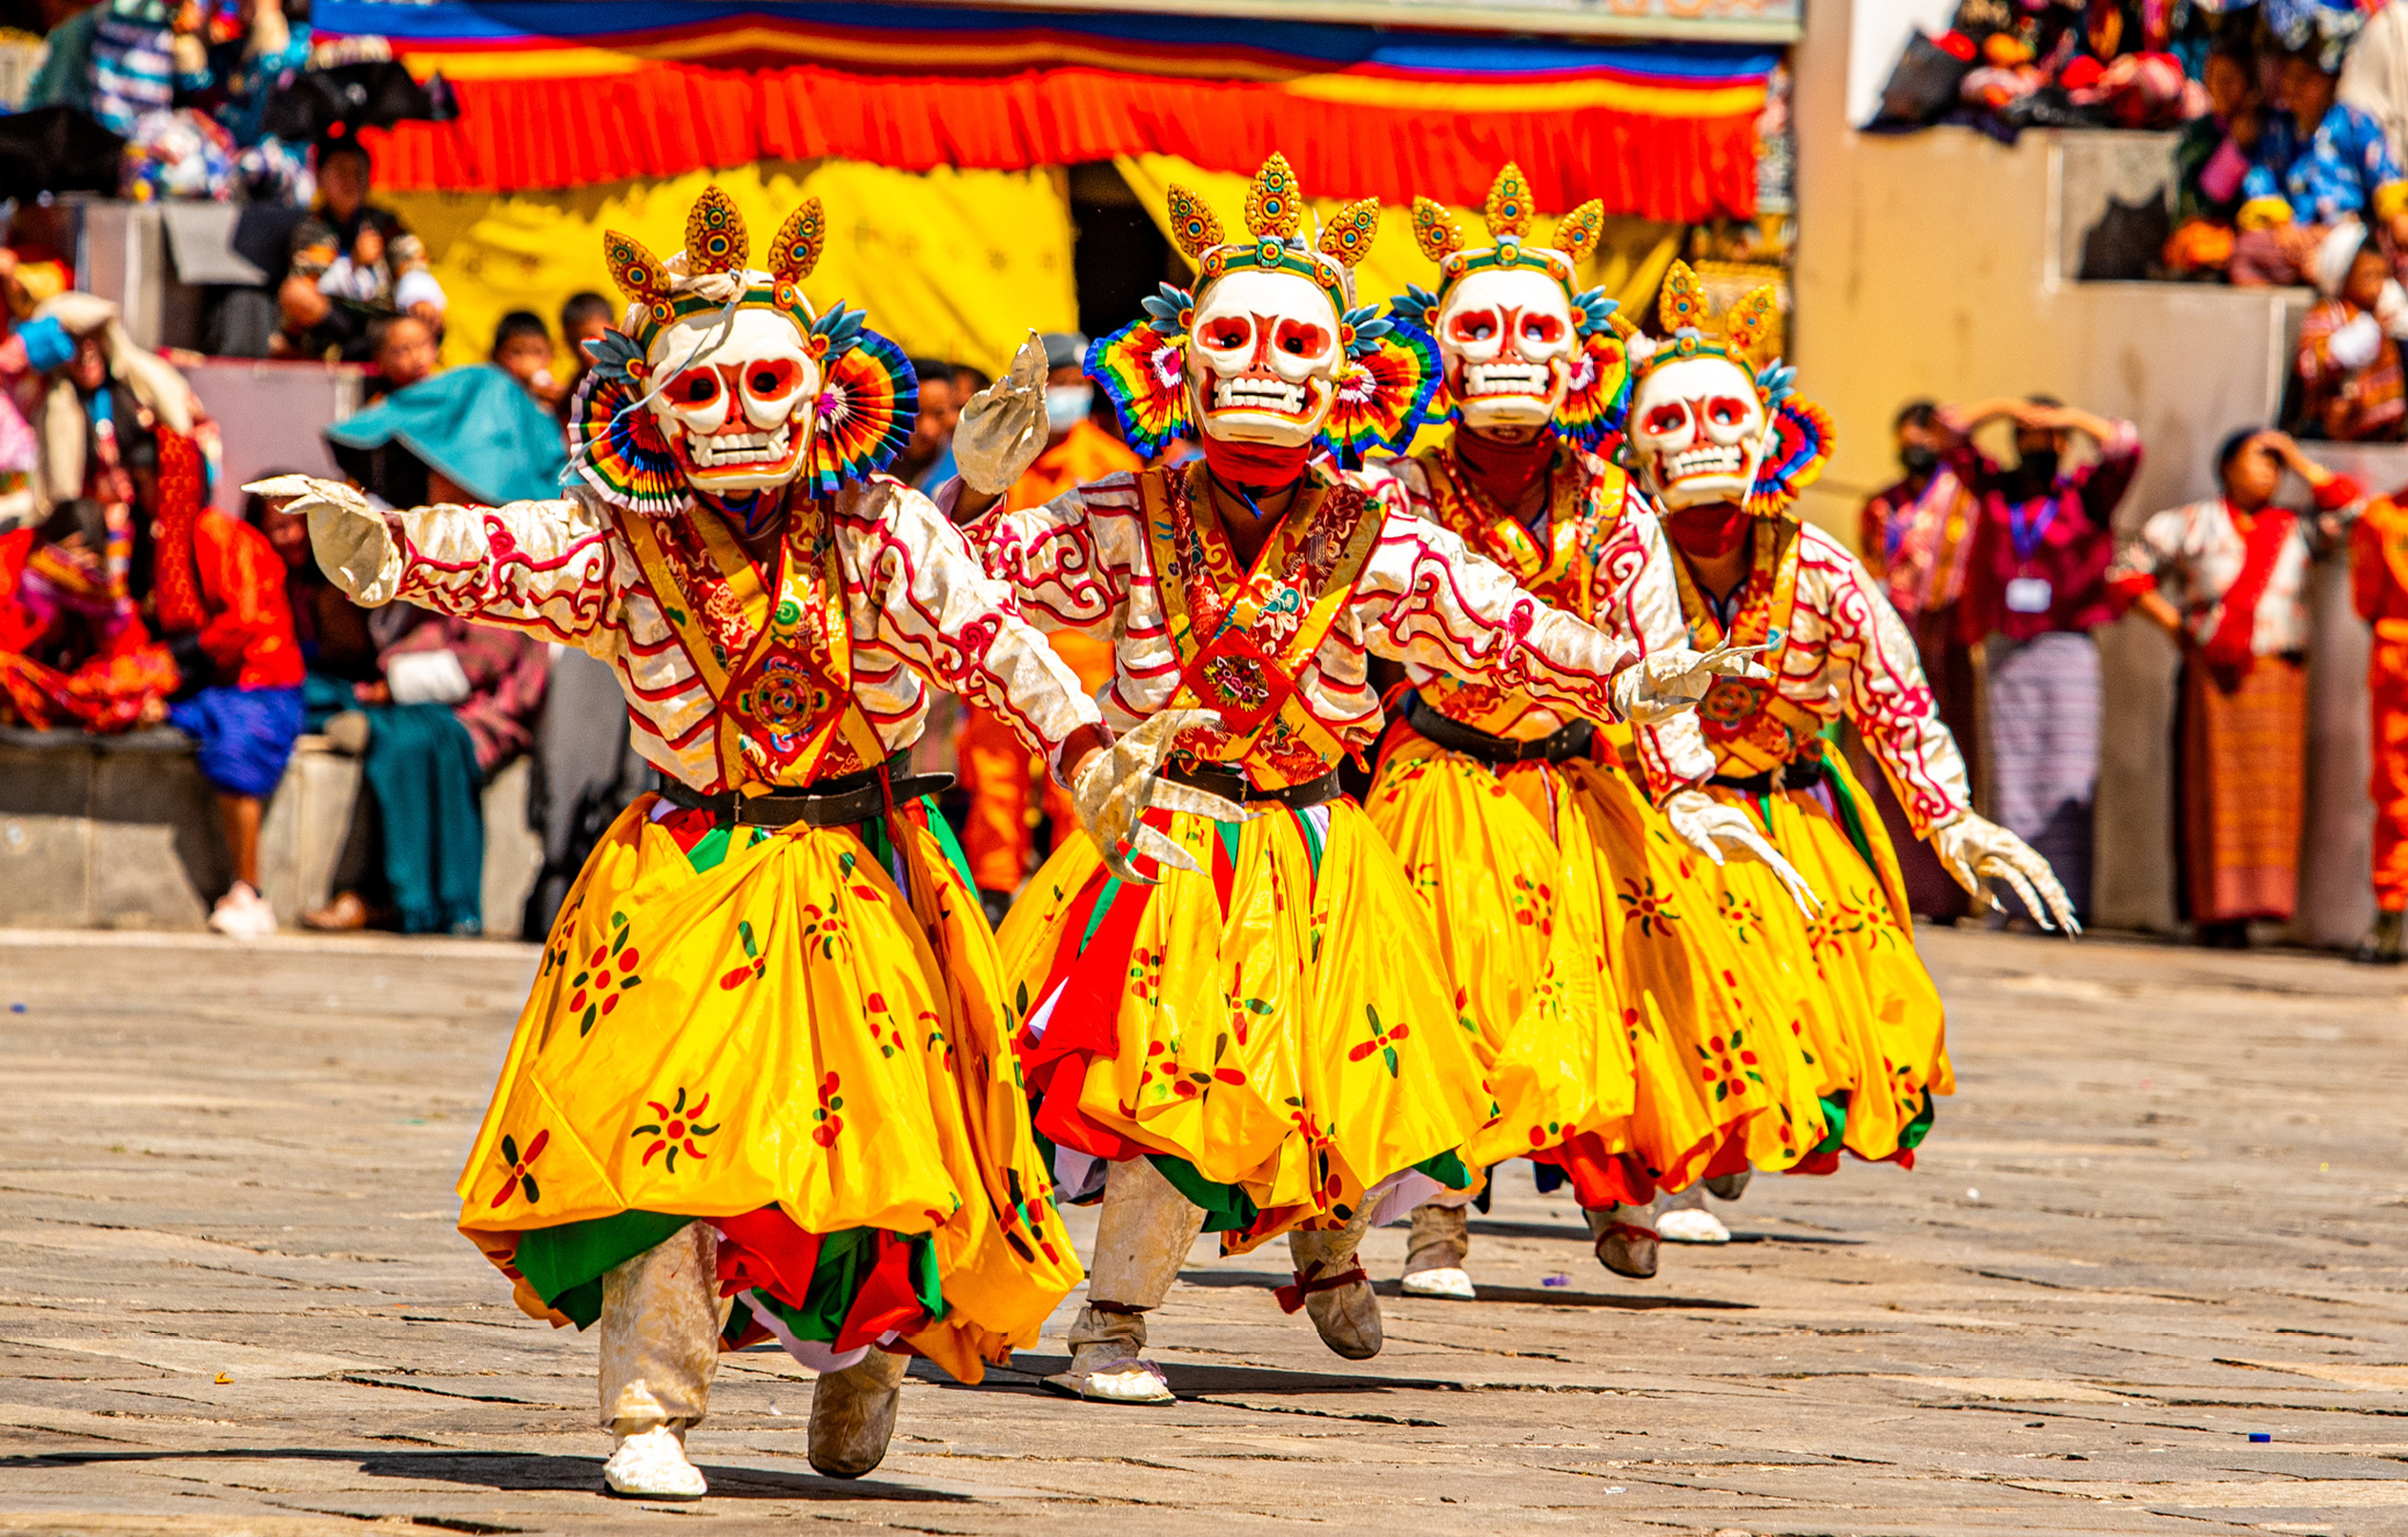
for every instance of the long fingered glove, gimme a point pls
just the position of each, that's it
(354, 549)
(1706, 825)
(1657, 688)
(1117, 785)
(1975, 849)
(1003, 427)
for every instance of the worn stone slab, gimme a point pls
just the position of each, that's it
(2166, 1210)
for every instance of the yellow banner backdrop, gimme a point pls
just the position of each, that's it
(951, 264)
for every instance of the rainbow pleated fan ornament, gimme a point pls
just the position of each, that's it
(869, 393)
(1391, 365)
(1597, 392)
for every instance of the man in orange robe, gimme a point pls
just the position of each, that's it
(2378, 586)
(1009, 787)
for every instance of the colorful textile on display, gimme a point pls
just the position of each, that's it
(569, 97)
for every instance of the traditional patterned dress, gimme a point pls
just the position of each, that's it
(1633, 1033)
(794, 1035)
(2241, 582)
(1871, 1021)
(1277, 1033)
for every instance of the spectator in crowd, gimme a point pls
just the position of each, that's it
(218, 597)
(523, 349)
(1916, 537)
(2350, 385)
(933, 430)
(2379, 589)
(2227, 579)
(74, 652)
(405, 352)
(1008, 787)
(2036, 588)
(2212, 159)
(966, 382)
(584, 319)
(2318, 161)
(451, 701)
(351, 261)
(331, 630)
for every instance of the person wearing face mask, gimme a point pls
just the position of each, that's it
(1914, 536)
(1010, 789)
(1721, 445)
(1525, 831)
(2037, 589)
(1240, 1020)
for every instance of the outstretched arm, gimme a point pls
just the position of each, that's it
(1425, 598)
(545, 567)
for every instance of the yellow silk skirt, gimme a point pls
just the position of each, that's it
(793, 1026)
(1275, 1030)
(1873, 1020)
(1700, 1022)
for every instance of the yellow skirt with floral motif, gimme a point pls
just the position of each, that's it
(1872, 1016)
(1694, 1013)
(799, 1036)
(1275, 1033)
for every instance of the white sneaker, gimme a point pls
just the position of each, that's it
(1692, 1225)
(243, 914)
(1447, 1281)
(652, 1467)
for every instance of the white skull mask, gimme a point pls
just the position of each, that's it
(739, 415)
(1507, 339)
(1263, 359)
(1697, 432)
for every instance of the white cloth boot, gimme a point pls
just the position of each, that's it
(1684, 1219)
(1442, 1241)
(1333, 1289)
(1142, 1237)
(660, 1318)
(852, 1414)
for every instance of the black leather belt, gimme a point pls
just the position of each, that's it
(840, 802)
(1569, 741)
(1232, 784)
(1798, 773)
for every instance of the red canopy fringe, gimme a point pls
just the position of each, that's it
(667, 119)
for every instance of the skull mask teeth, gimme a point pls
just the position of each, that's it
(1263, 359)
(1697, 432)
(1507, 339)
(740, 414)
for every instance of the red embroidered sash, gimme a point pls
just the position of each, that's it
(1751, 729)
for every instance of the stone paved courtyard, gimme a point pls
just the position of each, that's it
(2167, 1209)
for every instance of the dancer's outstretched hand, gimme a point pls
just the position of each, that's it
(1657, 688)
(1975, 849)
(1116, 785)
(1708, 825)
(1003, 427)
(354, 549)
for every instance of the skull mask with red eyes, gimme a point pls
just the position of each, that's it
(738, 416)
(1264, 357)
(1508, 339)
(1697, 431)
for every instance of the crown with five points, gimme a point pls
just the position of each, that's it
(1695, 332)
(1507, 214)
(1274, 218)
(717, 242)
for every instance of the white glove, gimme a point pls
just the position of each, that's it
(354, 549)
(2391, 307)
(1657, 688)
(1116, 785)
(1975, 849)
(1003, 427)
(78, 314)
(2355, 344)
(1705, 824)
